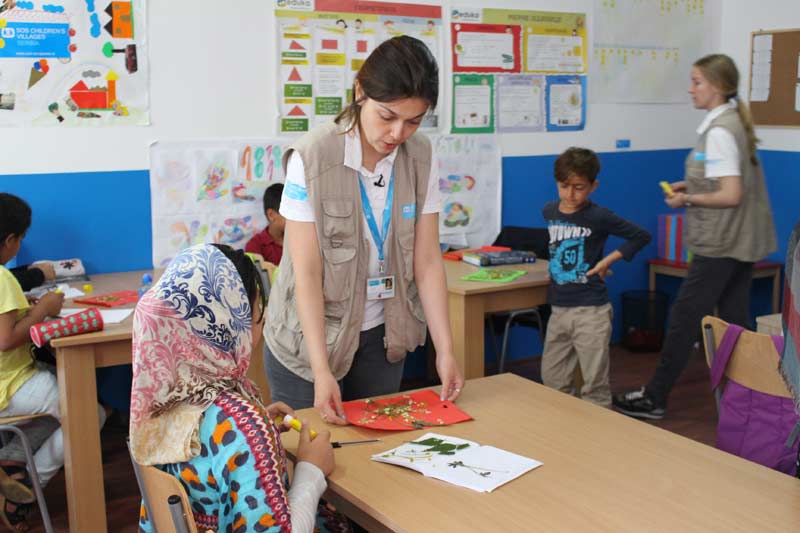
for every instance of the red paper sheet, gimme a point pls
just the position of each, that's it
(404, 412)
(112, 299)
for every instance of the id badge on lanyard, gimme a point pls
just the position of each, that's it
(381, 287)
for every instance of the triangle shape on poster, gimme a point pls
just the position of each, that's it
(294, 45)
(296, 112)
(295, 75)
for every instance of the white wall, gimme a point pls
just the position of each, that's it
(739, 19)
(212, 71)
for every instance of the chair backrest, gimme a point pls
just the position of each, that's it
(535, 240)
(21, 418)
(156, 487)
(754, 361)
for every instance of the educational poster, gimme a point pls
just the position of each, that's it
(519, 49)
(209, 191)
(79, 63)
(552, 42)
(473, 103)
(566, 103)
(520, 103)
(323, 43)
(471, 182)
(644, 49)
(486, 48)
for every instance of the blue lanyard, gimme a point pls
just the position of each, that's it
(378, 237)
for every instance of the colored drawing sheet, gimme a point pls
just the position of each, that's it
(520, 103)
(112, 299)
(74, 63)
(643, 49)
(322, 45)
(471, 183)
(566, 103)
(552, 42)
(473, 103)
(485, 48)
(210, 191)
(405, 412)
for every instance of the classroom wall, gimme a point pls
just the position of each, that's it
(212, 75)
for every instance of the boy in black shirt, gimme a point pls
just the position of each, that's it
(579, 329)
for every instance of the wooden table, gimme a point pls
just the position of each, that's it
(469, 301)
(76, 360)
(602, 472)
(764, 269)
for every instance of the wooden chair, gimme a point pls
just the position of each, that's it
(256, 372)
(165, 500)
(751, 360)
(10, 424)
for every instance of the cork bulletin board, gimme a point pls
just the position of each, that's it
(775, 77)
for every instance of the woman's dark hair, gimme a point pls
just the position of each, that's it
(15, 216)
(401, 67)
(249, 273)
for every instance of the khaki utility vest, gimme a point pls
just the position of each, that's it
(334, 194)
(745, 232)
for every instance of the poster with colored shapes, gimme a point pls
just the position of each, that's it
(405, 412)
(471, 183)
(520, 103)
(485, 47)
(323, 43)
(566, 103)
(552, 42)
(210, 191)
(79, 63)
(644, 49)
(473, 103)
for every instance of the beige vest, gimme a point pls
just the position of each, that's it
(334, 194)
(745, 232)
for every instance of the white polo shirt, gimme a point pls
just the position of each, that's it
(722, 152)
(295, 205)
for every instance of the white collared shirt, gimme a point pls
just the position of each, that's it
(722, 152)
(295, 205)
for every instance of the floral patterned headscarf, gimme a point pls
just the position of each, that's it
(192, 338)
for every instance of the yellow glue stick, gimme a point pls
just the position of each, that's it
(295, 424)
(666, 188)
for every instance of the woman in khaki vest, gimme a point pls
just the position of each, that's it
(363, 275)
(728, 227)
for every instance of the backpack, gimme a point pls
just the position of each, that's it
(757, 426)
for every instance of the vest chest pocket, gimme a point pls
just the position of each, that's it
(339, 270)
(338, 222)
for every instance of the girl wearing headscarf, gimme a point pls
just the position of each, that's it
(195, 415)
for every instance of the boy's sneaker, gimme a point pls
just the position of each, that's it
(638, 404)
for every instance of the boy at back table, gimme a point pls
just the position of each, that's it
(579, 330)
(269, 242)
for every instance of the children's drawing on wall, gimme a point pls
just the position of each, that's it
(470, 179)
(235, 231)
(173, 177)
(213, 174)
(210, 191)
(73, 63)
(256, 171)
(456, 214)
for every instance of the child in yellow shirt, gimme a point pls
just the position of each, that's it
(26, 387)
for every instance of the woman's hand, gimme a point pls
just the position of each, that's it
(318, 452)
(328, 399)
(450, 375)
(676, 201)
(678, 186)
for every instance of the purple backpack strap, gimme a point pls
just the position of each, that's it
(723, 354)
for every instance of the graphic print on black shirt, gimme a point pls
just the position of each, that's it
(567, 252)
